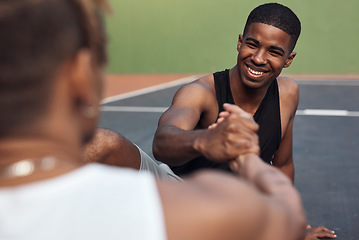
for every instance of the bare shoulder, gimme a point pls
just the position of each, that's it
(287, 87)
(196, 102)
(289, 99)
(203, 85)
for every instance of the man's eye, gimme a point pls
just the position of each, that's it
(276, 53)
(251, 45)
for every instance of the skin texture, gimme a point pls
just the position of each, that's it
(111, 148)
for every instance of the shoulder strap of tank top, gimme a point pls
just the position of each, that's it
(223, 89)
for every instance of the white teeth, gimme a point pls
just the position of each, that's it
(255, 72)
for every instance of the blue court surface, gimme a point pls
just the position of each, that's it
(325, 145)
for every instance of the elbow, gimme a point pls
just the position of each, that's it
(298, 223)
(298, 216)
(288, 219)
(298, 228)
(301, 224)
(290, 226)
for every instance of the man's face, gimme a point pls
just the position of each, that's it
(262, 54)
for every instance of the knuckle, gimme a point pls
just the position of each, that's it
(231, 116)
(256, 139)
(232, 127)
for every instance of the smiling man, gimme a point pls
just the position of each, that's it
(183, 139)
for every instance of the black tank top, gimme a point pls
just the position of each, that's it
(267, 116)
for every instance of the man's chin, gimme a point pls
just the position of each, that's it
(256, 83)
(253, 83)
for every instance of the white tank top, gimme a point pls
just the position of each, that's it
(92, 202)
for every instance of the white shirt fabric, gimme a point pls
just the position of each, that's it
(92, 202)
(158, 169)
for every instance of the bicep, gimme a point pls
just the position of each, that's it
(182, 117)
(289, 98)
(283, 158)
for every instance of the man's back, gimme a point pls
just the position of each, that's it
(92, 202)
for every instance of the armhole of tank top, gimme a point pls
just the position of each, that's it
(229, 94)
(217, 87)
(279, 113)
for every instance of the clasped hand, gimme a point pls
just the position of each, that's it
(232, 135)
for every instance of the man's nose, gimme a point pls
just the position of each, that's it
(259, 57)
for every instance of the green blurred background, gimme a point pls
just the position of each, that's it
(200, 36)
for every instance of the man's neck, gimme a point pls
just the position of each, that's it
(34, 151)
(248, 99)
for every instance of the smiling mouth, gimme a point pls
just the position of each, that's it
(254, 72)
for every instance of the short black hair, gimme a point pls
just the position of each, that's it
(278, 16)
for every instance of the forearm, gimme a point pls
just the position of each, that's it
(269, 180)
(287, 207)
(175, 146)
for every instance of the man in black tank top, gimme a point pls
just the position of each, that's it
(267, 116)
(183, 138)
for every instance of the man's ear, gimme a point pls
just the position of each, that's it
(82, 80)
(239, 43)
(84, 83)
(289, 60)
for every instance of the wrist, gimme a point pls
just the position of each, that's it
(247, 164)
(243, 158)
(197, 143)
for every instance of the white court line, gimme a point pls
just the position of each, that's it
(351, 83)
(194, 77)
(306, 112)
(150, 89)
(328, 112)
(133, 109)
